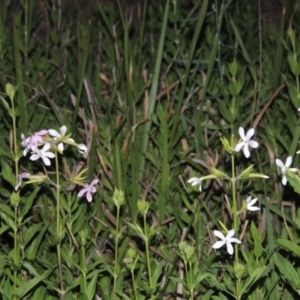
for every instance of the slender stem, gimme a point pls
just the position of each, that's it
(235, 219)
(147, 253)
(58, 226)
(234, 206)
(134, 284)
(16, 160)
(83, 267)
(116, 252)
(16, 260)
(190, 280)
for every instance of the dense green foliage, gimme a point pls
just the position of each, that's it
(150, 88)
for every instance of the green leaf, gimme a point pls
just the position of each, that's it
(157, 271)
(256, 275)
(8, 220)
(292, 246)
(28, 202)
(294, 182)
(287, 270)
(7, 173)
(29, 285)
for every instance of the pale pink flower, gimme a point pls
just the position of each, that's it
(88, 189)
(33, 140)
(20, 180)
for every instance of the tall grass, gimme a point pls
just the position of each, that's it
(150, 88)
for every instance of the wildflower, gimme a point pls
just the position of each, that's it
(284, 167)
(194, 181)
(246, 141)
(250, 202)
(33, 140)
(88, 189)
(20, 180)
(228, 240)
(82, 148)
(56, 135)
(43, 154)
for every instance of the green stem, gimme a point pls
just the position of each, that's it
(83, 267)
(116, 253)
(235, 215)
(58, 227)
(234, 206)
(147, 253)
(16, 160)
(134, 284)
(16, 260)
(190, 270)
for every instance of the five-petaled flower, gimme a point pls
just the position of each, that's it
(56, 135)
(20, 180)
(33, 140)
(43, 154)
(246, 141)
(194, 181)
(228, 240)
(88, 189)
(284, 167)
(250, 202)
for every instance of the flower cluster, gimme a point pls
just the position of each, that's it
(42, 145)
(244, 144)
(48, 139)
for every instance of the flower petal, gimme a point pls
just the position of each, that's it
(249, 134)
(229, 248)
(239, 146)
(279, 163)
(81, 192)
(288, 161)
(89, 197)
(46, 160)
(230, 234)
(54, 133)
(219, 234)
(246, 151)
(63, 129)
(95, 181)
(284, 180)
(218, 244)
(253, 144)
(242, 133)
(235, 240)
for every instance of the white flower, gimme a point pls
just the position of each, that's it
(250, 203)
(283, 168)
(228, 240)
(56, 135)
(246, 141)
(194, 181)
(82, 148)
(43, 154)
